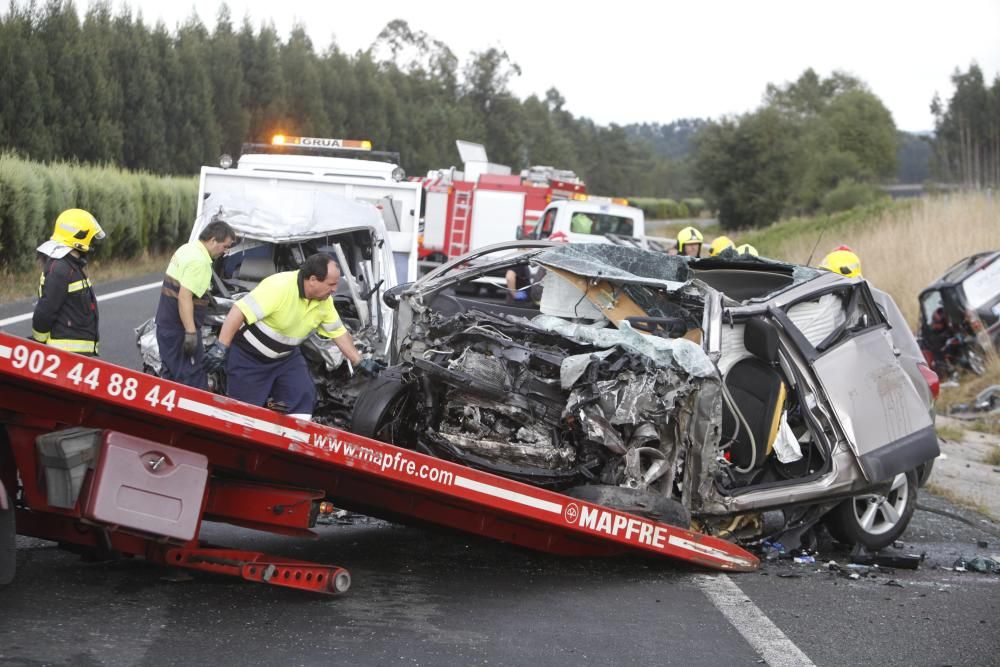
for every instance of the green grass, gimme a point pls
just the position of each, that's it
(139, 212)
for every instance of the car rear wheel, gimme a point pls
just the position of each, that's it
(8, 547)
(875, 520)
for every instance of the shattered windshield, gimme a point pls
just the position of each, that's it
(620, 264)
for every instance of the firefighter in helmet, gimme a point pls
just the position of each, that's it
(747, 249)
(720, 243)
(66, 312)
(689, 241)
(844, 261)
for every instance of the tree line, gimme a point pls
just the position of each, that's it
(967, 130)
(108, 88)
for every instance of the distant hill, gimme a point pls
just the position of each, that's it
(673, 141)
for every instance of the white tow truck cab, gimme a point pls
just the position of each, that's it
(290, 168)
(590, 219)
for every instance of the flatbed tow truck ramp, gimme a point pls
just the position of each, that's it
(105, 457)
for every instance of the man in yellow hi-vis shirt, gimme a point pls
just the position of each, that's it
(184, 301)
(266, 327)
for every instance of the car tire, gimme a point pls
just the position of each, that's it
(8, 545)
(874, 520)
(974, 360)
(382, 411)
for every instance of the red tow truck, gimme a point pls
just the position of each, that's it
(110, 459)
(485, 203)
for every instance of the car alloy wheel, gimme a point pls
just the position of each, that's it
(876, 520)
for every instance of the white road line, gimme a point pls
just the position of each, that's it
(757, 629)
(513, 496)
(107, 297)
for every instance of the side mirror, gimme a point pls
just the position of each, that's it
(391, 296)
(761, 339)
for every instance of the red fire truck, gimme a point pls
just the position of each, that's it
(485, 203)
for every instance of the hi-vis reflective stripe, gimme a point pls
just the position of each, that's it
(72, 287)
(78, 285)
(252, 304)
(277, 335)
(70, 345)
(333, 326)
(41, 337)
(262, 347)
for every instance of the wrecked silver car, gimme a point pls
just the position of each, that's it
(743, 397)
(277, 234)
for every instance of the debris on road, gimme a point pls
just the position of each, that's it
(903, 562)
(987, 402)
(981, 564)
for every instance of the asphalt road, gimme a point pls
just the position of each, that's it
(424, 596)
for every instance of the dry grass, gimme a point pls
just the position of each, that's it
(904, 248)
(14, 286)
(993, 457)
(949, 495)
(950, 432)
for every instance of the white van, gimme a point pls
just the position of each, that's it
(594, 220)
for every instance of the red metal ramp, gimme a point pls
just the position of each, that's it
(43, 386)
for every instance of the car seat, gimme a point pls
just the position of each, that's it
(758, 391)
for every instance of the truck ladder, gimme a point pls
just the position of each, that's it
(461, 215)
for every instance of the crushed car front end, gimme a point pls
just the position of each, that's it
(683, 391)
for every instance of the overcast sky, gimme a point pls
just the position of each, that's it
(628, 61)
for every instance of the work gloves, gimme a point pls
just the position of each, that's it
(215, 357)
(190, 343)
(370, 367)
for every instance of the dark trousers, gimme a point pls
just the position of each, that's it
(177, 366)
(286, 381)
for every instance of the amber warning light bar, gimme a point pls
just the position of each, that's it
(322, 142)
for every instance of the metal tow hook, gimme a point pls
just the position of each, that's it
(153, 465)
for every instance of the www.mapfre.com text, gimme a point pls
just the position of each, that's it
(395, 461)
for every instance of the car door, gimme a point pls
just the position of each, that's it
(851, 354)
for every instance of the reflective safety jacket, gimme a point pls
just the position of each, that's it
(190, 267)
(66, 313)
(279, 317)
